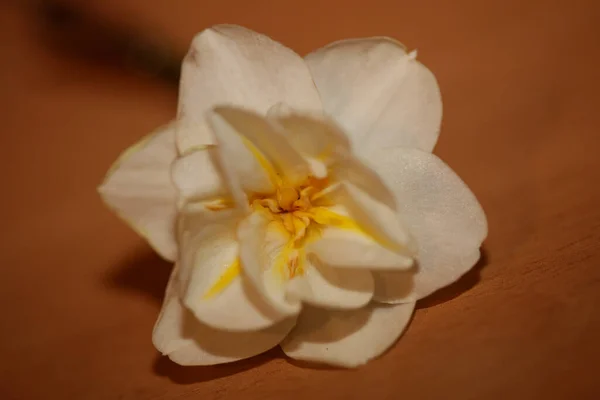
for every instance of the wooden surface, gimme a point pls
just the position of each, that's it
(80, 291)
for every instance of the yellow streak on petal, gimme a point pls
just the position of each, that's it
(327, 217)
(264, 163)
(300, 263)
(282, 261)
(219, 204)
(232, 272)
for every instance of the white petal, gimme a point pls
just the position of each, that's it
(346, 338)
(244, 168)
(210, 280)
(351, 170)
(138, 188)
(196, 176)
(187, 341)
(376, 218)
(380, 94)
(262, 246)
(322, 141)
(283, 161)
(313, 134)
(231, 65)
(442, 214)
(324, 286)
(346, 242)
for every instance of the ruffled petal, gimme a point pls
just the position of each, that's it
(313, 134)
(346, 338)
(374, 217)
(271, 149)
(323, 142)
(348, 242)
(185, 340)
(138, 188)
(244, 168)
(211, 283)
(379, 93)
(265, 256)
(231, 65)
(334, 288)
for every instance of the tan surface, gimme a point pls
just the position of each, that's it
(80, 292)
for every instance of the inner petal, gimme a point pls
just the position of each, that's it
(345, 242)
(271, 150)
(209, 278)
(266, 257)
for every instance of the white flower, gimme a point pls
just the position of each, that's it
(299, 200)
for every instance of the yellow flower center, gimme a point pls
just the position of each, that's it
(289, 209)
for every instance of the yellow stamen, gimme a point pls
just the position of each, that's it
(286, 196)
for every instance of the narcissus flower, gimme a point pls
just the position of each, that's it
(298, 199)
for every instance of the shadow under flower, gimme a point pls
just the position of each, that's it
(142, 272)
(186, 375)
(462, 285)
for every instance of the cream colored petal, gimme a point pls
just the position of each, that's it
(352, 171)
(196, 176)
(376, 218)
(231, 65)
(264, 256)
(345, 249)
(348, 242)
(442, 214)
(347, 338)
(281, 160)
(185, 340)
(243, 167)
(320, 140)
(380, 94)
(313, 134)
(335, 288)
(211, 283)
(138, 188)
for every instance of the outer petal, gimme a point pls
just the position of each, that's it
(179, 335)
(346, 338)
(196, 176)
(211, 285)
(324, 286)
(262, 246)
(231, 65)
(380, 94)
(138, 188)
(442, 214)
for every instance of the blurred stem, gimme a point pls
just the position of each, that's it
(82, 34)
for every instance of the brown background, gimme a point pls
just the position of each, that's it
(80, 291)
